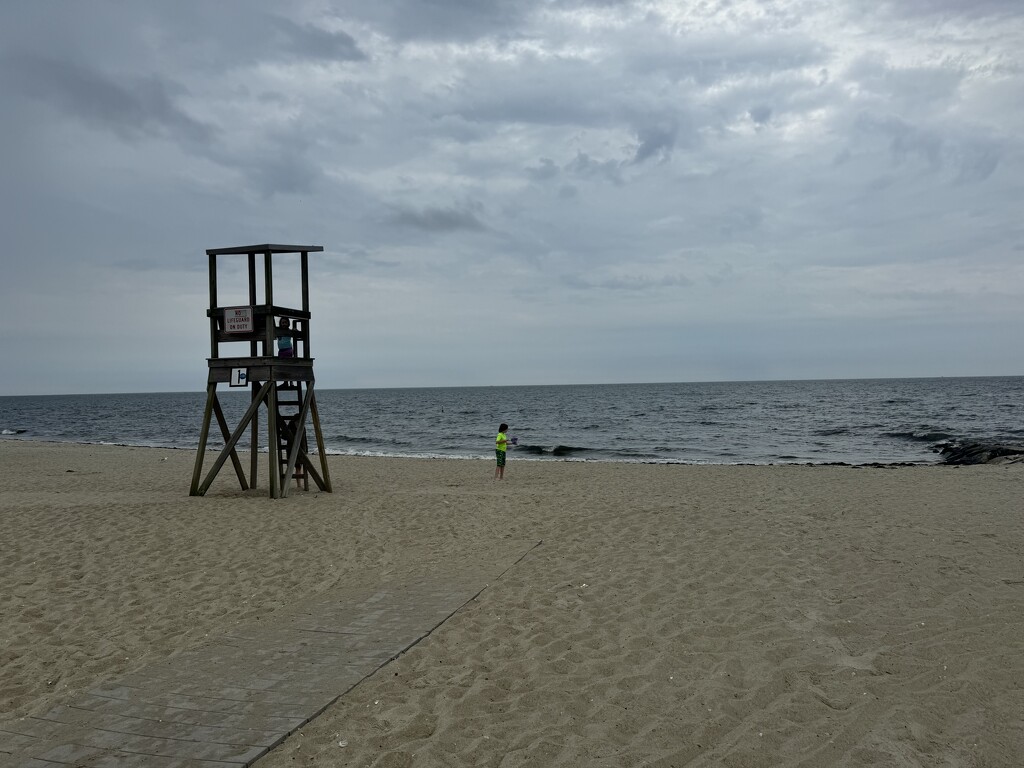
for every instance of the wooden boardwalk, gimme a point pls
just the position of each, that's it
(230, 701)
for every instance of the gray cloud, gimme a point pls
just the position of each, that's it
(545, 170)
(624, 171)
(438, 219)
(969, 160)
(633, 283)
(584, 166)
(132, 107)
(713, 56)
(440, 20)
(656, 141)
(760, 114)
(284, 173)
(462, 20)
(978, 9)
(309, 41)
(908, 88)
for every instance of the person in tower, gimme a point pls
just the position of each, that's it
(284, 343)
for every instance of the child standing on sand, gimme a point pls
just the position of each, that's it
(500, 448)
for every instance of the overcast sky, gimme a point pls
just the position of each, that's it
(517, 191)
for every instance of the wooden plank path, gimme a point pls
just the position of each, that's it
(230, 701)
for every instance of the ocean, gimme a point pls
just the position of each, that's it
(857, 421)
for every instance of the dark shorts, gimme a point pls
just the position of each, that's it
(500, 456)
(285, 353)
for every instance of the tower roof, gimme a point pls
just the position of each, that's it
(265, 248)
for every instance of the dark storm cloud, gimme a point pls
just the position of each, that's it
(217, 40)
(182, 36)
(760, 114)
(536, 93)
(545, 170)
(459, 20)
(584, 166)
(313, 42)
(465, 20)
(656, 141)
(406, 20)
(281, 172)
(132, 107)
(437, 219)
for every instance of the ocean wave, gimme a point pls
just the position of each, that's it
(552, 450)
(378, 441)
(13, 431)
(384, 454)
(930, 436)
(350, 439)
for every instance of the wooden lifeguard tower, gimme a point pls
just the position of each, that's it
(284, 385)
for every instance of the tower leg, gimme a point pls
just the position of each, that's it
(320, 442)
(204, 433)
(272, 443)
(254, 447)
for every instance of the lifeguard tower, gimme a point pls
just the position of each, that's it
(284, 385)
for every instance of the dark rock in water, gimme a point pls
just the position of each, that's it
(979, 453)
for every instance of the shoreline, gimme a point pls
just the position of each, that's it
(532, 457)
(708, 613)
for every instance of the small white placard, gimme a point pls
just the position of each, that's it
(239, 377)
(238, 319)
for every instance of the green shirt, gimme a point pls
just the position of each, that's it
(501, 442)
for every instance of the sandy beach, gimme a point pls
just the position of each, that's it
(672, 615)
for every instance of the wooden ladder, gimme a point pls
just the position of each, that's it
(288, 410)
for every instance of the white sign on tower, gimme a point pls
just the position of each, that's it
(238, 319)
